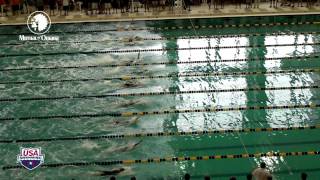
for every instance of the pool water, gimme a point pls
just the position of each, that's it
(190, 55)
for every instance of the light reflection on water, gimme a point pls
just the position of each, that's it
(233, 120)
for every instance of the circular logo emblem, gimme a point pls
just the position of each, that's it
(39, 22)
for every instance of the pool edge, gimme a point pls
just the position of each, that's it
(152, 18)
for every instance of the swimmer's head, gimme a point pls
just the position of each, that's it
(121, 169)
(137, 38)
(131, 84)
(187, 176)
(135, 101)
(134, 120)
(119, 28)
(304, 176)
(263, 165)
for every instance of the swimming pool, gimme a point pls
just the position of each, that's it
(221, 80)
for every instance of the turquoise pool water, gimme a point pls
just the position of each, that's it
(78, 72)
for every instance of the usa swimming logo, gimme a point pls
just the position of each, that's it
(30, 158)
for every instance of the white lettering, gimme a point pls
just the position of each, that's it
(27, 38)
(38, 38)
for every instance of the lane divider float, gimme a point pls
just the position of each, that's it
(160, 134)
(54, 98)
(175, 75)
(174, 159)
(167, 38)
(170, 111)
(134, 64)
(154, 50)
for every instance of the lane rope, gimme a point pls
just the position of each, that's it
(173, 159)
(154, 50)
(175, 75)
(171, 111)
(160, 134)
(165, 38)
(129, 64)
(41, 98)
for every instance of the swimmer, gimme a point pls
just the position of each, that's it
(143, 71)
(126, 39)
(131, 121)
(304, 176)
(115, 171)
(138, 55)
(120, 28)
(126, 103)
(128, 147)
(123, 103)
(123, 62)
(132, 40)
(261, 173)
(132, 83)
(138, 38)
(187, 176)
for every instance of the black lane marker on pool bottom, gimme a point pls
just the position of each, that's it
(98, 96)
(128, 64)
(161, 134)
(152, 50)
(164, 38)
(126, 78)
(170, 111)
(174, 159)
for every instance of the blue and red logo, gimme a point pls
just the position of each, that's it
(30, 158)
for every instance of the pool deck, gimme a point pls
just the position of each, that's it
(201, 11)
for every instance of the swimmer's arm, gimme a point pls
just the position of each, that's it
(107, 173)
(136, 144)
(100, 173)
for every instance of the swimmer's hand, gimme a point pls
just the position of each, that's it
(131, 146)
(139, 142)
(131, 121)
(134, 120)
(109, 172)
